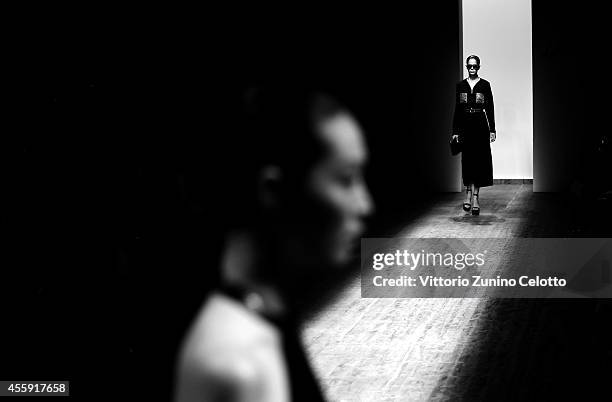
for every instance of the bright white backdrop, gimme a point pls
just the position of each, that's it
(499, 32)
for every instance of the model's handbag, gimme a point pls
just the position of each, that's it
(455, 145)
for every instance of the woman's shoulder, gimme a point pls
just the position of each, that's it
(484, 82)
(462, 83)
(223, 323)
(225, 348)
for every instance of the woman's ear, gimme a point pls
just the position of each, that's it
(269, 183)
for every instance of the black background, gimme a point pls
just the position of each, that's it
(119, 153)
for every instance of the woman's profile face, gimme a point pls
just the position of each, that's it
(472, 67)
(336, 196)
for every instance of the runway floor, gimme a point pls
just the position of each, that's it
(418, 349)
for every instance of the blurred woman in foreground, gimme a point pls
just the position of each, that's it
(305, 200)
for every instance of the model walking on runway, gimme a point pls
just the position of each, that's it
(474, 127)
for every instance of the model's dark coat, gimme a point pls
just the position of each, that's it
(474, 130)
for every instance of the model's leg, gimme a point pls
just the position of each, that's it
(475, 201)
(467, 204)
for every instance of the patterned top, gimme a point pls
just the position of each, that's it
(480, 97)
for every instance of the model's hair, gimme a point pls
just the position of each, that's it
(472, 56)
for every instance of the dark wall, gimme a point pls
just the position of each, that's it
(571, 87)
(396, 70)
(112, 251)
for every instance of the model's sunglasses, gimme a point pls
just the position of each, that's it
(474, 66)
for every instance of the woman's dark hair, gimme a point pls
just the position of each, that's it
(254, 127)
(277, 126)
(472, 56)
(280, 125)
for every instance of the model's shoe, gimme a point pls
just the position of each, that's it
(466, 205)
(475, 210)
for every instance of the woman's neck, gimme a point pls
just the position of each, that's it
(476, 77)
(242, 266)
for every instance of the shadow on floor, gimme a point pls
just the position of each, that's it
(541, 349)
(478, 219)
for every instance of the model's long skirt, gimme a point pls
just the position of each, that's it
(476, 161)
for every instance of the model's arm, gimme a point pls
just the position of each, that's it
(489, 107)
